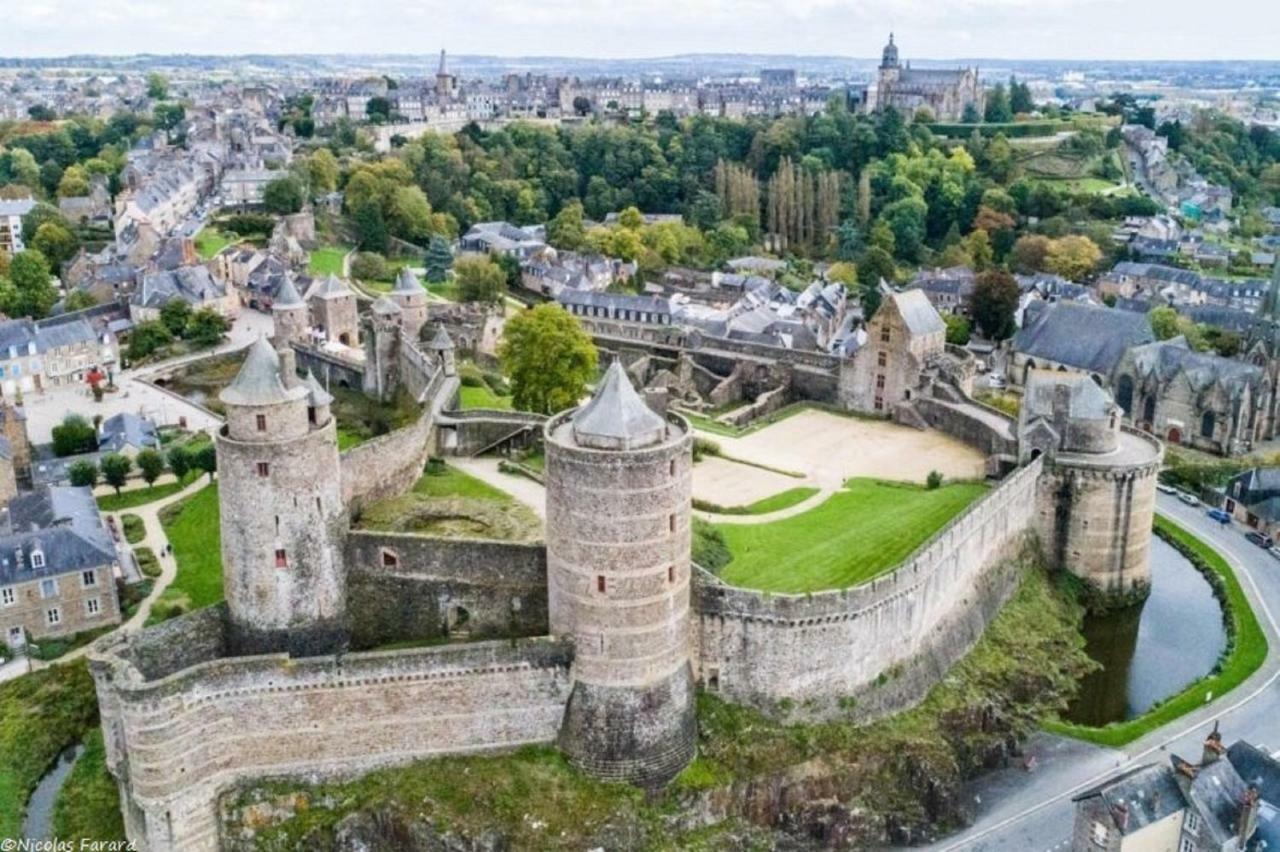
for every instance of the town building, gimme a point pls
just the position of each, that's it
(11, 213)
(52, 352)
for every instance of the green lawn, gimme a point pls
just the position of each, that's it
(192, 528)
(448, 503)
(210, 241)
(862, 531)
(1246, 649)
(328, 260)
(447, 290)
(141, 496)
(775, 503)
(134, 529)
(482, 397)
(41, 714)
(447, 481)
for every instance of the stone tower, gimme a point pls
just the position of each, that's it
(333, 311)
(283, 519)
(1096, 495)
(381, 348)
(289, 314)
(442, 347)
(618, 527)
(412, 299)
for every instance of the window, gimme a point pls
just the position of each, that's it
(600, 583)
(282, 560)
(15, 635)
(671, 573)
(262, 422)
(879, 404)
(673, 467)
(882, 358)
(92, 607)
(884, 334)
(88, 578)
(264, 469)
(1099, 834)
(1186, 844)
(37, 559)
(389, 558)
(880, 382)
(7, 597)
(671, 522)
(53, 616)
(1193, 822)
(48, 588)
(311, 414)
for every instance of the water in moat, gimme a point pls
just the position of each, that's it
(1151, 652)
(38, 824)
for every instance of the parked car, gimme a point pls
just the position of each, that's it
(1165, 488)
(1255, 537)
(1274, 551)
(1189, 499)
(1219, 516)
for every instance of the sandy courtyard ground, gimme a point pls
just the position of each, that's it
(829, 449)
(727, 483)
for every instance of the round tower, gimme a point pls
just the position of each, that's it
(289, 314)
(618, 526)
(412, 299)
(283, 519)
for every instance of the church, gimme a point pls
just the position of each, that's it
(945, 92)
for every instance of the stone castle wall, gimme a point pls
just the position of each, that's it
(177, 742)
(443, 587)
(814, 650)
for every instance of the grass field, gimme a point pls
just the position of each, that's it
(192, 528)
(1246, 649)
(142, 496)
(328, 260)
(450, 503)
(776, 503)
(210, 241)
(482, 397)
(41, 714)
(860, 532)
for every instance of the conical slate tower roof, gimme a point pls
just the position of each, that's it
(332, 287)
(617, 418)
(383, 305)
(259, 381)
(319, 396)
(441, 341)
(287, 296)
(407, 282)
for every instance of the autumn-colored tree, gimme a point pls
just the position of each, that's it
(1029, 253)
(1073, 257)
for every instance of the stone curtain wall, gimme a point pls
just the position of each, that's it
(475, 430)
(329, 369)
(980, 426)
(439, 587)
(184, 739)
(815, 650)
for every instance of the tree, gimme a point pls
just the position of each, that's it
(157, 86)
(439, 259)
(1029, 253)
(875, 265)
(32, 293)
(565, 230)
(74, 182)
(369, 266)
(180, 461)
(174, 314)
(998, 111)
(993, 302)
(78, 300)
(323, 172)
(371, 228)
(56, 243)
(1073, 257)
(206, 327)
(150, 464)
(284, 195)
(83, 473)
(957, 329)
(168, 116)
(631, 219)
(74, 435)
(1164, 322)
(1020, 100)
(548, 357)
(581, 105)
(147, 337)
(378, 110)
(206, 459)
(116, 469)
(971, 114)
(480, 280)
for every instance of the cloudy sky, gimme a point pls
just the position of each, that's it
(1016, 29)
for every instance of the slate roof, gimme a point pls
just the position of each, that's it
(16, 206)
(1143, 795)
(919, 316)
(259, 381)
(441, 341)
(616, 417)
(193, 284)
(1086, 401)
(1168, 359)
(127, 430)
(407, 282)
(63, 523)
(383, 305)
(1086, 337)
(287, 296)
(319, 396)
(332, 287)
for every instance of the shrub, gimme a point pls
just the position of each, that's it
(74, 435)
(704, 447)
(369, 266)
(933, 480)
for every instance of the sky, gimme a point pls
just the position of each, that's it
(926, 29)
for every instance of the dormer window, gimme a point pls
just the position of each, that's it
(37, 559)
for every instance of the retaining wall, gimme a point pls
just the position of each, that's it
(817, 652)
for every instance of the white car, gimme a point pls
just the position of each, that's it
(1189, 499)
(1165, 488)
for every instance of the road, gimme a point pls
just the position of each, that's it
(1020, 811)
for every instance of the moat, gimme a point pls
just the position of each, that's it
(1152, 651)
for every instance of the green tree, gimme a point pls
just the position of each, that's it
(439, 259)
(1020, 100)
(83, 473)
(74, 182)
(115, 470)
(206, 327)
(179, 459)
(565, 230)
(371, 227)
(32, 293)
(174, 314)
(378, 110)
(56, 243)
(957, 329)
(150, 464)
(480, 280)
(74, 435)
(631, 219)
(206, 459)
(875, 265)
(168, 116)
(1164, 322)
(284, 195)
(157, 86)
(971, 114)
(1073, 257)
(1029, 253)
(993, 302)
(323, 171)
(78, 300)
(998, 110)
(369, 266)
(548, 357)
(147, 337)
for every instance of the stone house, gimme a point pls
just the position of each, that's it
(91, 209)
(51, 352)
(1253, 498)
(195, 285)
(127, 433)
(948, 290)
(333, 311)
(57, 571)
(905, 335)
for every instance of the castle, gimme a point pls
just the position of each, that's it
(945, 92)
(594, 640)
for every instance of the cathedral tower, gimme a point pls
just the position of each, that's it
(618, 526)
(283, 518)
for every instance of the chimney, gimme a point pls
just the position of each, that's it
(288, 366)
(1121, 815)
(1248, 822)
(1213, 748)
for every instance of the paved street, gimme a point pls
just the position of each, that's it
(1033, 811)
